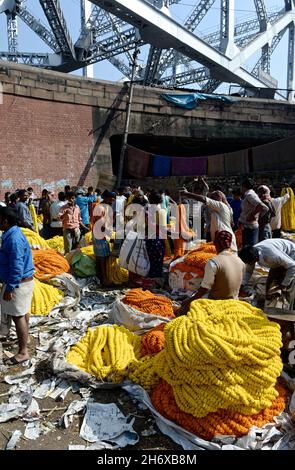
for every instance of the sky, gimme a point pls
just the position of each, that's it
(245, 10)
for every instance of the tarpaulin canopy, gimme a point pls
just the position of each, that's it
(191, 100)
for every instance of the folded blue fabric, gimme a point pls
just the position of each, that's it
(161, 165)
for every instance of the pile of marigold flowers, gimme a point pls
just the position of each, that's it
(222, 422)
(216, 370)
(147, 302)
(196, 260)
(153, 341)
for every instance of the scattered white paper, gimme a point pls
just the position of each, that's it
(75, 407)
(19, 378)
(46, 387)
(11, 444)
(33, 430)
(99, 445)
(105, 422)
(32, 413)
(61, 390)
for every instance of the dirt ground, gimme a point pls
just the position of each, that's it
(51, 411)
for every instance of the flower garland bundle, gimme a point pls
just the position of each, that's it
(147, 302)
(45, 297)
(196, 260)
(223, 354)
(153, 341)
(288, 211)
(106, 352)
(35, 241)
(145, 371)
(56, 243)
(115, 273)
(49, 263)
(222, 422)
(88, 251)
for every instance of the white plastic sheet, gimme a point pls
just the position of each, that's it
(134, 320)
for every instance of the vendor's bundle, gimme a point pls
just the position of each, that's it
(106, 352)
(56, 243)
(115, 273)
(153, 341)
(147, 302)
(196, 260)
(288, 211)
(192, 266)
(35, 241)
(48, 264)
(223, 422)
(45, 297)
(224, 354)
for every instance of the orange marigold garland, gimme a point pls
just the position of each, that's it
(221, 422)
(153, 341)
(147, 302)
(196, 260)
(48, 264)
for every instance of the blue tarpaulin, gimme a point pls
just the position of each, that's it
(191, 100)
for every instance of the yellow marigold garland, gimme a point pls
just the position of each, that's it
(115, 273)
(106, 352)
(223, 354)
(288, 211)
(88, 238)
(34, 217)
(35, 241)
(56, 243)
(45, 297)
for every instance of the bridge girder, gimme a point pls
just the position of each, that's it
(116, 27)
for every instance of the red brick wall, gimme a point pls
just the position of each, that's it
(44, 144)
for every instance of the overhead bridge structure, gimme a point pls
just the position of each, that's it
(176, 54)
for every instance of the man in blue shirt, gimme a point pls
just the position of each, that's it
(235, 203)
(16, 273)
(24, 216)
(83, 202)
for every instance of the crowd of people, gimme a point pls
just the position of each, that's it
(246, 223)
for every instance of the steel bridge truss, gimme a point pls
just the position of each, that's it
(177, 56)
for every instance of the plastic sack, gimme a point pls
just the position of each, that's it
(180, 280)
(134, 256)
(134, 320)
(83, 265)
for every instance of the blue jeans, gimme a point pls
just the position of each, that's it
(250, 236)
(265, 232)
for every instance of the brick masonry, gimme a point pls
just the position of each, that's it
(56, 128)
